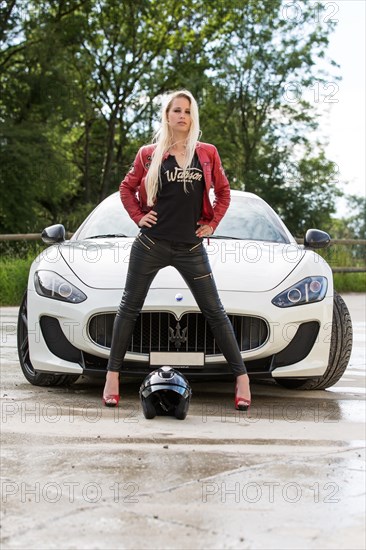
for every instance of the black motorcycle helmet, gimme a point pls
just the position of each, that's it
(165, 392)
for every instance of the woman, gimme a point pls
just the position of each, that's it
(172, 178)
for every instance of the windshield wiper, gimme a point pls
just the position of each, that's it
(107, 236)
(223, 237)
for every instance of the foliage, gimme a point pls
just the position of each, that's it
(81, 80)
(356, 223)
(350, 282)
(261, 77)
(13, 280)
(352, 227)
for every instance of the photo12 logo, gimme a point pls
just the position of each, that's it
(269, 492)
(315, 12)
(71, 491)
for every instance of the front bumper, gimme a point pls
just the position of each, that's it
(73, 352)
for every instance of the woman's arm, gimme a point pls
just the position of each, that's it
(129, 187)
(221, 189)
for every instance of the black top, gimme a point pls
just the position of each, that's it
(177, 211)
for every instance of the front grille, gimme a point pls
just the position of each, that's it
(161, 331)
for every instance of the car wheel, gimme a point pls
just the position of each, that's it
(340, 351)
(35, 378)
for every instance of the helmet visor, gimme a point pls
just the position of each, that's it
(184, 391)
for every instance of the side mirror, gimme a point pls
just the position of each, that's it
(54, 234)
(315, 238)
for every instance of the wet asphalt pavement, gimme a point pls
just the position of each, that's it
(290, 475)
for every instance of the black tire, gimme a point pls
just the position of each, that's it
(340, 351)
(35, 378)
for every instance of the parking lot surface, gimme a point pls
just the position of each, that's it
(288, 475)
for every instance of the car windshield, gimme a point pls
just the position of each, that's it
(248, 218)
(251, 218)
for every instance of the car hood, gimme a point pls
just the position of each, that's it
(237, 265)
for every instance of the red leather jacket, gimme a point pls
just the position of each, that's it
(133, 191)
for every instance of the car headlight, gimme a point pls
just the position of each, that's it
(52, 285)
(306, 291)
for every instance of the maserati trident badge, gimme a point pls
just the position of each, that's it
(177, 337)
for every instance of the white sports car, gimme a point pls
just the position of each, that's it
(289, 322)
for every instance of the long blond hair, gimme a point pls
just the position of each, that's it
(164, 140)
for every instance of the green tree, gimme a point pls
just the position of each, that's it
(88, 93)
(80, 79)
(262, 76)
(37, 178)
(135, 51)
(356, 223)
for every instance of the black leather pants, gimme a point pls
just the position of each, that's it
(147, 258)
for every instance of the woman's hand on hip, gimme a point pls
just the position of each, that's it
(149, 219)
(204, 231)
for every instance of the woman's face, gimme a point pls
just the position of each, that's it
(179, 115)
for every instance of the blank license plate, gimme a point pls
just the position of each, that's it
(177, 359)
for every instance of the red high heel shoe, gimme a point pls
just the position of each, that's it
(241, 404)
(111, 400)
